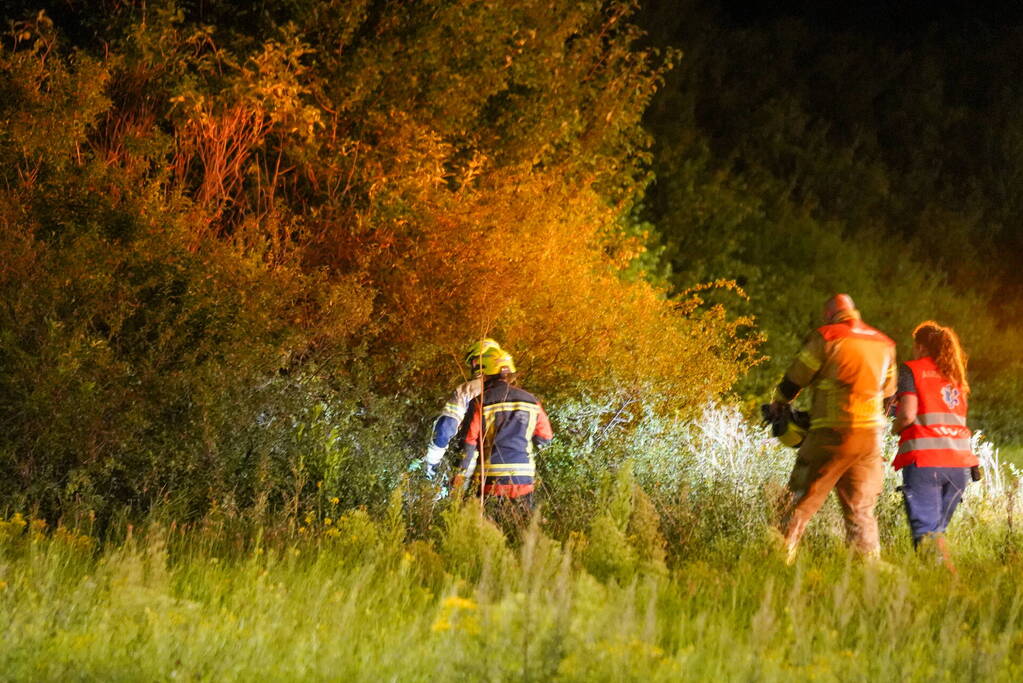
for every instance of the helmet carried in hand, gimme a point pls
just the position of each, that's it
(790, 427)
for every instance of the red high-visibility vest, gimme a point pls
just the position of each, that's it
(938, 437)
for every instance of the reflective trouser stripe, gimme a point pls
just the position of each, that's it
(929, 419)
(935, 444)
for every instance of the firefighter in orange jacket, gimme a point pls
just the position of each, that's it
(850, 367)
(935, 452)
(503, 428)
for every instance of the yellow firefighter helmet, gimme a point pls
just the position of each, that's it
(475, 351)
(496, 362)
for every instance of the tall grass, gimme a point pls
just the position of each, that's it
(352, 597)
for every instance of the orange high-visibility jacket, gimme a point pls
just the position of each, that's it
(938, 437)
(850, 366)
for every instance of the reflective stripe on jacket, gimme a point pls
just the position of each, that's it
(938, 437)
(851, 369)
(511, 422)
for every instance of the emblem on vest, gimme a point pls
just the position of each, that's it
(950, 395)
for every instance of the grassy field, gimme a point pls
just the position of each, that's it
(353, 599)
(669, 571)
(1012, 455)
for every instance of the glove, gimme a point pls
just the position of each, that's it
(434, 457)
(774, 411)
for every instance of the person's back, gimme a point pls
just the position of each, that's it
(938, 435)
(935, 452)
(511, 419)
(503, 428)
(850, 368)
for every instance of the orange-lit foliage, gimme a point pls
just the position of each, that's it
(222, 229)
(526, 261)
(477, 182)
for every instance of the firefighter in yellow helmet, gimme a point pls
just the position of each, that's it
(503, 429)
(446, 425)
(850, 368)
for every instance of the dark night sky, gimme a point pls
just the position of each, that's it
(882, 19)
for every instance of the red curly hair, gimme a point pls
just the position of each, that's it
(942, 345)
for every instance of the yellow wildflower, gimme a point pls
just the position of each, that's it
(455, 602)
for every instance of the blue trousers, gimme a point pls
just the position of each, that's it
(932, 495)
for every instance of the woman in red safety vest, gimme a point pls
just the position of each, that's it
(935, 453)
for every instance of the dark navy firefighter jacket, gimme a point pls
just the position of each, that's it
(511, 425)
